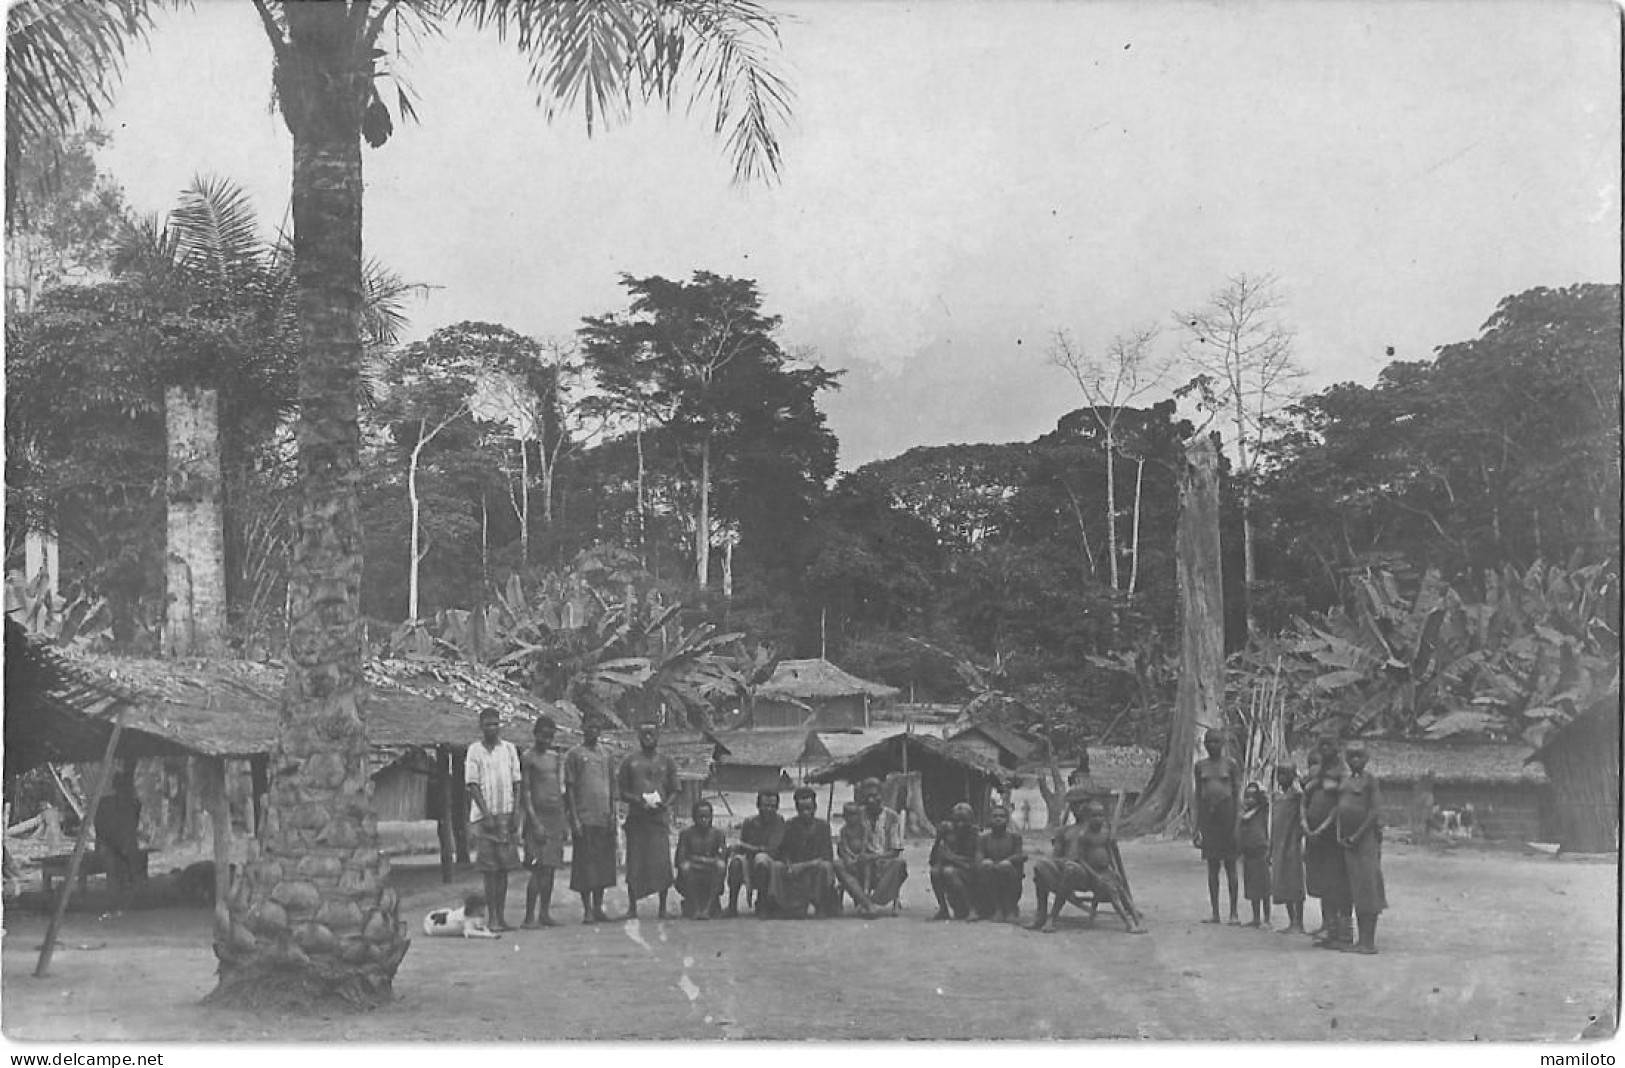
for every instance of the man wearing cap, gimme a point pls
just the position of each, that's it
(880, 868)
(545, 823)
(1085, 861)
(492, 776)
(589, 805)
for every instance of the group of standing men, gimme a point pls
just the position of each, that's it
(1321, 838)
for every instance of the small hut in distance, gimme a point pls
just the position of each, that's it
(772, 758)
(816, 693)
(936, 775)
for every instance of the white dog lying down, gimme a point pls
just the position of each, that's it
(466, 922)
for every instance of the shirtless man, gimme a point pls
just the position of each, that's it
(998, 876)
(1218, 814)
(1083, 862)
(953, 858)
(750, 860)
(542, 769)
(1359, 833)
(700, 863)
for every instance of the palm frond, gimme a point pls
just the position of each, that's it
(217, 234)
(594, 55)
(63, 60)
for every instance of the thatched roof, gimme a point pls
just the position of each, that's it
(1019, 748)
(1483, 763)
(48, 702)
(229, 708)
(842, 742)
(692, 751)
(887, 756)
(802, 680)
(773, 747)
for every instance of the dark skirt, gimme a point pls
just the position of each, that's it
(1218, 829)
(592, 860)
(1324, 875)
(496, 847)
(1255, 876)
(795, 886)
(1364, 866)
(1286, 870)
(648, 858)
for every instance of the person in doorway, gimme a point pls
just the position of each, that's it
(491, 772)
(589, 805)
(118, 831)
(545, 822)
(648, 782)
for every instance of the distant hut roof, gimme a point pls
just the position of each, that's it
(1484, 763)
(692, 751)
(886, 756)
(229, 708)
(773, 747)
(1019, 748)
(818, 678)
(842, 742)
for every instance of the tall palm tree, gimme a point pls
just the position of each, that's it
(312, 921)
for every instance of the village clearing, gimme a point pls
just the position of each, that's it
(1478, 944)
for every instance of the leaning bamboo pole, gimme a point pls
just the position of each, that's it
(85, 825)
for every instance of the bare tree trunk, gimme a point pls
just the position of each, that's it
(1167, 802)
(702, 521)
(643, 531)
(40, 554)
(414, 555)
(524, 504)
(728, 569)
(1134, 548)
(1111, 510)
(195, 597)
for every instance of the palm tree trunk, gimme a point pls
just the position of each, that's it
(195, 550)
(313, 923)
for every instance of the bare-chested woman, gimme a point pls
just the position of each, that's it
(1218, 811)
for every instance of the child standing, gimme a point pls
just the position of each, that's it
(1286, 846)
(1253, 840)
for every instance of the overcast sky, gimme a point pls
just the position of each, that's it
(961, 179)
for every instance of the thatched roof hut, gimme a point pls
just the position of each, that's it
(817, 690)
(759, 759)
(948, 773)
(996, 743)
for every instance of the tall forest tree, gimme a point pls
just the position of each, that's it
(1241, 346)
(311, 920)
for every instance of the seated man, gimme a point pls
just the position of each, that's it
(849, 847)
(878, 869)
(700, 865)
(1083, 863)
(750, 860)
(953, 858)
(804, 864)
(996, 881)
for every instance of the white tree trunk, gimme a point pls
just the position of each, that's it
(1134, 545)
(1111, 509)
(728, 569)
(415, 554)
(702, 522)
(524, 504)
(195, 561)
(40, 554)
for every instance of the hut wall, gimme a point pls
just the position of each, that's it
(942, 786)
(845, 711)
(399, 793)
(1503, 811)
(745, 778)
(771, 713)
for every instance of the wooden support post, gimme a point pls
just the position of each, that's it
(259, 773)
(443, 759)
(220, 815)
(459, 807)
(85, 824)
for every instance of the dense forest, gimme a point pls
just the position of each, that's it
(671, 459)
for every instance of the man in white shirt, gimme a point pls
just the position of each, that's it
(491, 775)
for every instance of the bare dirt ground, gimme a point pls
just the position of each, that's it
(1478, 945)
